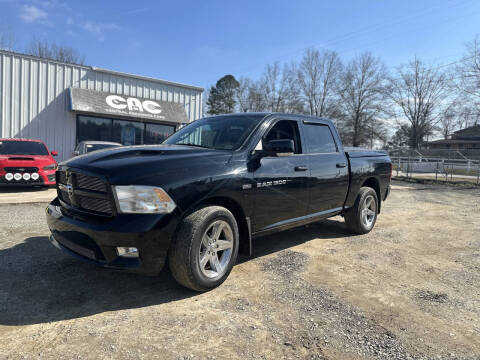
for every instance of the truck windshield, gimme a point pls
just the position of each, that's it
(219, 132)
(22, 148)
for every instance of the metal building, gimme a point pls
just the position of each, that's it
(63, 104)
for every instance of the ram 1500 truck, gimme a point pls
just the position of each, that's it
(204, 194)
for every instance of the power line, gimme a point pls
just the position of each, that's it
(364, 31)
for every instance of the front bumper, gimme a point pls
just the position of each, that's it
(95, 240)
(46, 177)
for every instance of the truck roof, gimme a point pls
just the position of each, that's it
(262, 115)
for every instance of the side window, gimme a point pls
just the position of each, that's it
(284, 129)
(319, 139)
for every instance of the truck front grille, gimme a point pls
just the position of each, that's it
(90, 183)
(84, 192)
(97, 205)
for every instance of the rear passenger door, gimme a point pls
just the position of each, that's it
(328, 183)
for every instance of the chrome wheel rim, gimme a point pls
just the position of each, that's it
(216, 249)
(369, 211)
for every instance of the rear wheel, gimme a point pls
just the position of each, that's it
(205, 248)
(362, 216)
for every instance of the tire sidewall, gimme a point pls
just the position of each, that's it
(367, 192)
(200, 278)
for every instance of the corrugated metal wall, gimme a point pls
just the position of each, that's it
(34, 103)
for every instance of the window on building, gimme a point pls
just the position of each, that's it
(128, 132)
(156, 133)
(319, 139)
(121, 131)
(94, 128)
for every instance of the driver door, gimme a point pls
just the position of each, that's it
(281, 192)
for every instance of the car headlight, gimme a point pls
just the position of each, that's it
(50, 167)
(140, 199)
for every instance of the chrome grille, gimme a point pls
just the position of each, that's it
(84, 192)
(93, 204)
(90, 183)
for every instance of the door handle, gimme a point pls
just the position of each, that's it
(301, 168)
(341, 165)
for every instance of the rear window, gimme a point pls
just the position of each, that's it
(319, 139)
(22, 148)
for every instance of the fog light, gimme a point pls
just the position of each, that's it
(17, 176)
(26, 176)
(35, 176)
(9, 176)
(127, 252)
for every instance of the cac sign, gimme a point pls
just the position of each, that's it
(133, 104)
(89, 101)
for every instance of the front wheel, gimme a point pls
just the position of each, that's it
(205, 248)
(361, 218)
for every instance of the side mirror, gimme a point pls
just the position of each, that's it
(280, 147)
(76, 153)
(54, 153)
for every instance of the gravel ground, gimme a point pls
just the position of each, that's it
(408, 290)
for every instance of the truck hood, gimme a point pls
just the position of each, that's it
(139, 164)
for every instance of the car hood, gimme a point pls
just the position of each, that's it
(142, 164)
(25, 160)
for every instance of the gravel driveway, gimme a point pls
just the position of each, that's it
(409, 289)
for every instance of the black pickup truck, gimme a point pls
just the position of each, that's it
(213, 186)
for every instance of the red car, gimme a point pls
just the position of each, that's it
(26, 162)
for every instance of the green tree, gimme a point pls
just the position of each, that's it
(403, 137)
(221, 98)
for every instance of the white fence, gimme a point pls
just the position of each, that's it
(452, 165)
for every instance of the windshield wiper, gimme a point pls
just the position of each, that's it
(190, 144)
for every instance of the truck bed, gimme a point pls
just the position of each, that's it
(356, 152)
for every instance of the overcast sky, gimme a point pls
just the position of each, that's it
(196, 42)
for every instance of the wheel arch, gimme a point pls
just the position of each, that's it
(245, 246)
(373, 183)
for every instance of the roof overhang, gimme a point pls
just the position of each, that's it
(114, 105)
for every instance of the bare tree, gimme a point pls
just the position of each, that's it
(469, 69)
(56, 52)
(273, 87)
(448, 119)
(318, 74)
(292, 94)
(361, 90)
(243, 94)
(280, 88)
(418, 92)
(468, 114)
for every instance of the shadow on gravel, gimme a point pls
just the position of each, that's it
(39, 283)
(325, 229)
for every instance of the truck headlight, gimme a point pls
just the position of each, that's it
(141, 199)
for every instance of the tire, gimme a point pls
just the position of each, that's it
(209, 232)
(356, 220)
